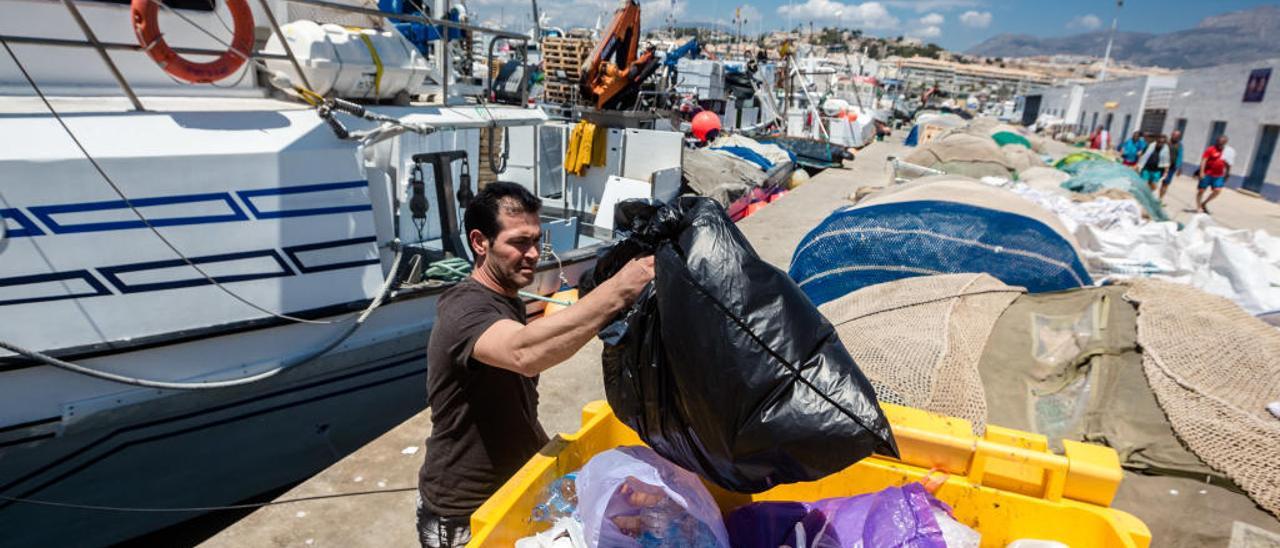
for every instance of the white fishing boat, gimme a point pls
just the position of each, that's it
(212, 290)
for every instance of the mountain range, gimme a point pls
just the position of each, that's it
(1234, 37)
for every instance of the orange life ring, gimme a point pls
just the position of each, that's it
(147, 27)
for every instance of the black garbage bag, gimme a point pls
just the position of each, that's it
(723, 365)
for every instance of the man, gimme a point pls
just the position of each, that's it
(483, 361)
(1131, 148)
(1154, 162)
(1175, 159)
(1215, 167)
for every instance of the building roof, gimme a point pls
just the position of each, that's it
(981, 71)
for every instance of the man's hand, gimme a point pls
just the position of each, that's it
(630, 281)
(531, 349)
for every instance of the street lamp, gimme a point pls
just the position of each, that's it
(1106, 58)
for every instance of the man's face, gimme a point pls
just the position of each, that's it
(1222, 142)
(512, 256)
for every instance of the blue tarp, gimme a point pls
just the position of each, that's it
(857, 247)
(913, 138)
(748, 155)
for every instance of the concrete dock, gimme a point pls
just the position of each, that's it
(390, 463)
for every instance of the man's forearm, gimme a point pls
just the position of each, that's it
(552, 339)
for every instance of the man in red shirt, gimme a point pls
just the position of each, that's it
(1215, 167)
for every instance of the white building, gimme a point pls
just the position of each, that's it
(1126, 105)
(1061, 103)
(1212, 101)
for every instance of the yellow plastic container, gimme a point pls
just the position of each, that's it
(1007, 485)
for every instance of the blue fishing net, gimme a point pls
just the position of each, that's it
(857, 247)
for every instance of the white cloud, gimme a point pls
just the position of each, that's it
(921, 6)
(654, 13)
(871, 15)
(933, 20)
(976, 19)
(929, 26)
(926, 32)
(1085, 22)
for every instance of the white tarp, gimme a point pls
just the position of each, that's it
(1241, 265)
(1103, 213)
(1116, 242)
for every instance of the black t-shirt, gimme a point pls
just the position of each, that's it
(484, 419)
(1153, 163)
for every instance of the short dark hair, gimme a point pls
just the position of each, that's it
(482, 212)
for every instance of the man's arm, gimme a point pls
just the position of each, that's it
(533, 348)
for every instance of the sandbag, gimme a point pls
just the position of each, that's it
(723, 365)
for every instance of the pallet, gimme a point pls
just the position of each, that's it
(565, 54)
(560, 92)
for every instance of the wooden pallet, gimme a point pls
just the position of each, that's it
(560, 92)
(576, 46)
(565, 54)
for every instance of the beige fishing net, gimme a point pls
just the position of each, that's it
(1214, 368)
(919, 339)
(962, 154)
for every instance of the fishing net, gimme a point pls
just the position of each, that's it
(960, 153)
(1021, 158)
(937, 225)
(1003, 138)
(1214, 368)
(1045, 179)
(918, 340)
(1076, 157)
(719, 177)
(1091, 176)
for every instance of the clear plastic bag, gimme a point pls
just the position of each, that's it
(631, 496)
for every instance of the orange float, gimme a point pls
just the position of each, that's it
(145, 14)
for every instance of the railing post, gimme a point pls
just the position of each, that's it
(102, 52)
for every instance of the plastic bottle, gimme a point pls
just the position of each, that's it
(561, 500)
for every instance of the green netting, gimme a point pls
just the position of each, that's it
(1090, 176)
(1003, 138)
(1076, 157)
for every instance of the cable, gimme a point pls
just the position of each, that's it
(245, 506)
(166, 385)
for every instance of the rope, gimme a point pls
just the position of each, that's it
(166, 385)
(457, 268)
(203, 508)
(377, 64)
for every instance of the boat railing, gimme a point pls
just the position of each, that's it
(102, 47)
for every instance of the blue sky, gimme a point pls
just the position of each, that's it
(954, 24)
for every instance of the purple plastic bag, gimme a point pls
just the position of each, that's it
(892, 517)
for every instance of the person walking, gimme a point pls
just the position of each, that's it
(1215, 167)
(1131, 148)
(1175, 162)
(1154, 162)
(484, 360)
(1098, 140)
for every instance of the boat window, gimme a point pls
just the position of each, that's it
(197, 5)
